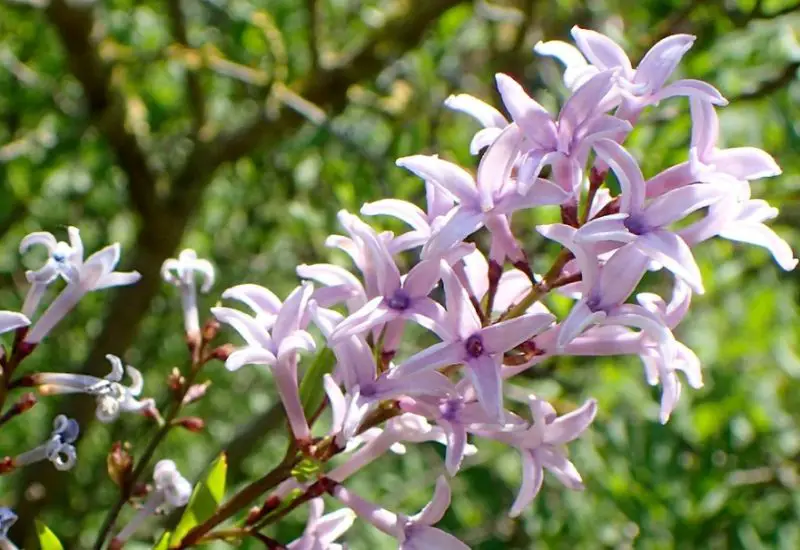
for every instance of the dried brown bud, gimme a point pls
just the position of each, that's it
(119, 463)
(253, 516)
(140, 490)
(115, 544)
(26, 402)
(222, 352)
(569, 214)
(210, 330)
(195, 392)
(191, 423)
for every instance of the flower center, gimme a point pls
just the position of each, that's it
(474, 345)
(636, 225)
(399, 300)
(450, 408)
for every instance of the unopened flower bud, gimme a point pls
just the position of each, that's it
(6, 465)
(195, 392)
(119, 463)
(191, 423)
(175, 381)
(210, 330)
(222, 352)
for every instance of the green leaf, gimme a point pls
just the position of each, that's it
(47, 539)
(312, 391)
(205, 499)
(163, 542)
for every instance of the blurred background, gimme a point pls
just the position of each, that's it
(239, 128)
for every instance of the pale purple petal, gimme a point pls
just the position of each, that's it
(483, 138)
(434, 357)
(250, 355)
(450, 176)
(117, 278)
(374, 313)
(424, 537)
(673, 253)
(578, 320)
(438, 505)
(106, 258)
(506, 335)
(247, 326)
(679, 203)
(402, 210)
(761, 235)
(628, 173)
(583, 104)
(660, 61)
(422, 278)
(576, 69)
(607, 228)
(10, 320)
(558, 464)
(488, 116)
(494, 170)
(745, 163)
(337, 402)
(540, 192)
(690, 88)
(384, 520)
(38, 237)
(299, 340)
(570, 426)
(532, 477)
(456, 444)
(458, 225)
(257, 298)
(291, 314)
(432, 316)
(600, 50)
(621, 274)
(484, 374)
(565, 235)
(705, 127)
(532, 118)
(464, 319)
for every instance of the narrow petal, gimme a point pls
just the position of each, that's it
(10, 320)
(458, 225)
(540, 192)
(621, 274)
(434, 357)
(292, 312)
(256, 297)
(601, 51)
(384, 520)
(578, 320)
(576, 69)
(745, 163)
(450, 176)
(690, 88)
(249, 356)
(332, 526)
(761, 235)
(607, 228)
(117, 278)
(422, 279)
(532, 118)
(560, 466)
(484, 374)
(565, 236)
(532, 477)
(628, 173)
(299, 340)
(247, 327)
(374, 313)
(494, 170)
(660, 61)
(679, 203)
(38, 237)
(488, 116)
(438, 505)
(705, 127)
(506, 335)
(456, 445)
(464, 319)
(483, 139)
(673, 253)
(107, 258)
(336, 400)
(402, 210)
(432, 316)
(424, 537)
(570, 426)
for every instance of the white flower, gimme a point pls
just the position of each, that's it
(181, 272)
(58, 449)
(112, 397)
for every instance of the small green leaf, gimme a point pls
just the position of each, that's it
(306, 470)
(47, 539)
(205, 499)
(312, 391)
(163, 542)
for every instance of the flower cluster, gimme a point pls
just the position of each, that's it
(483, 308)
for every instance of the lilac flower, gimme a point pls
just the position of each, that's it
(643, 86)
(321, 531)
(171, 490)
(261, 301)
(480, 348)
(400, 299)
(487, 202)
(644, 225)
(96, 273)
(456, 417)
(604, 291)
(707, 162)
(7, 519)
(414, 532)
(58, 449)
(338, 286)
(740, 218)
(112, 397)
(277, 350)
(540, 447)
(185, 267)
(563, 143)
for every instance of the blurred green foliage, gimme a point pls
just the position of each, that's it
(181, 78)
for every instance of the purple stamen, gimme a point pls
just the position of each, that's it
(636, 225)
(399, 300)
